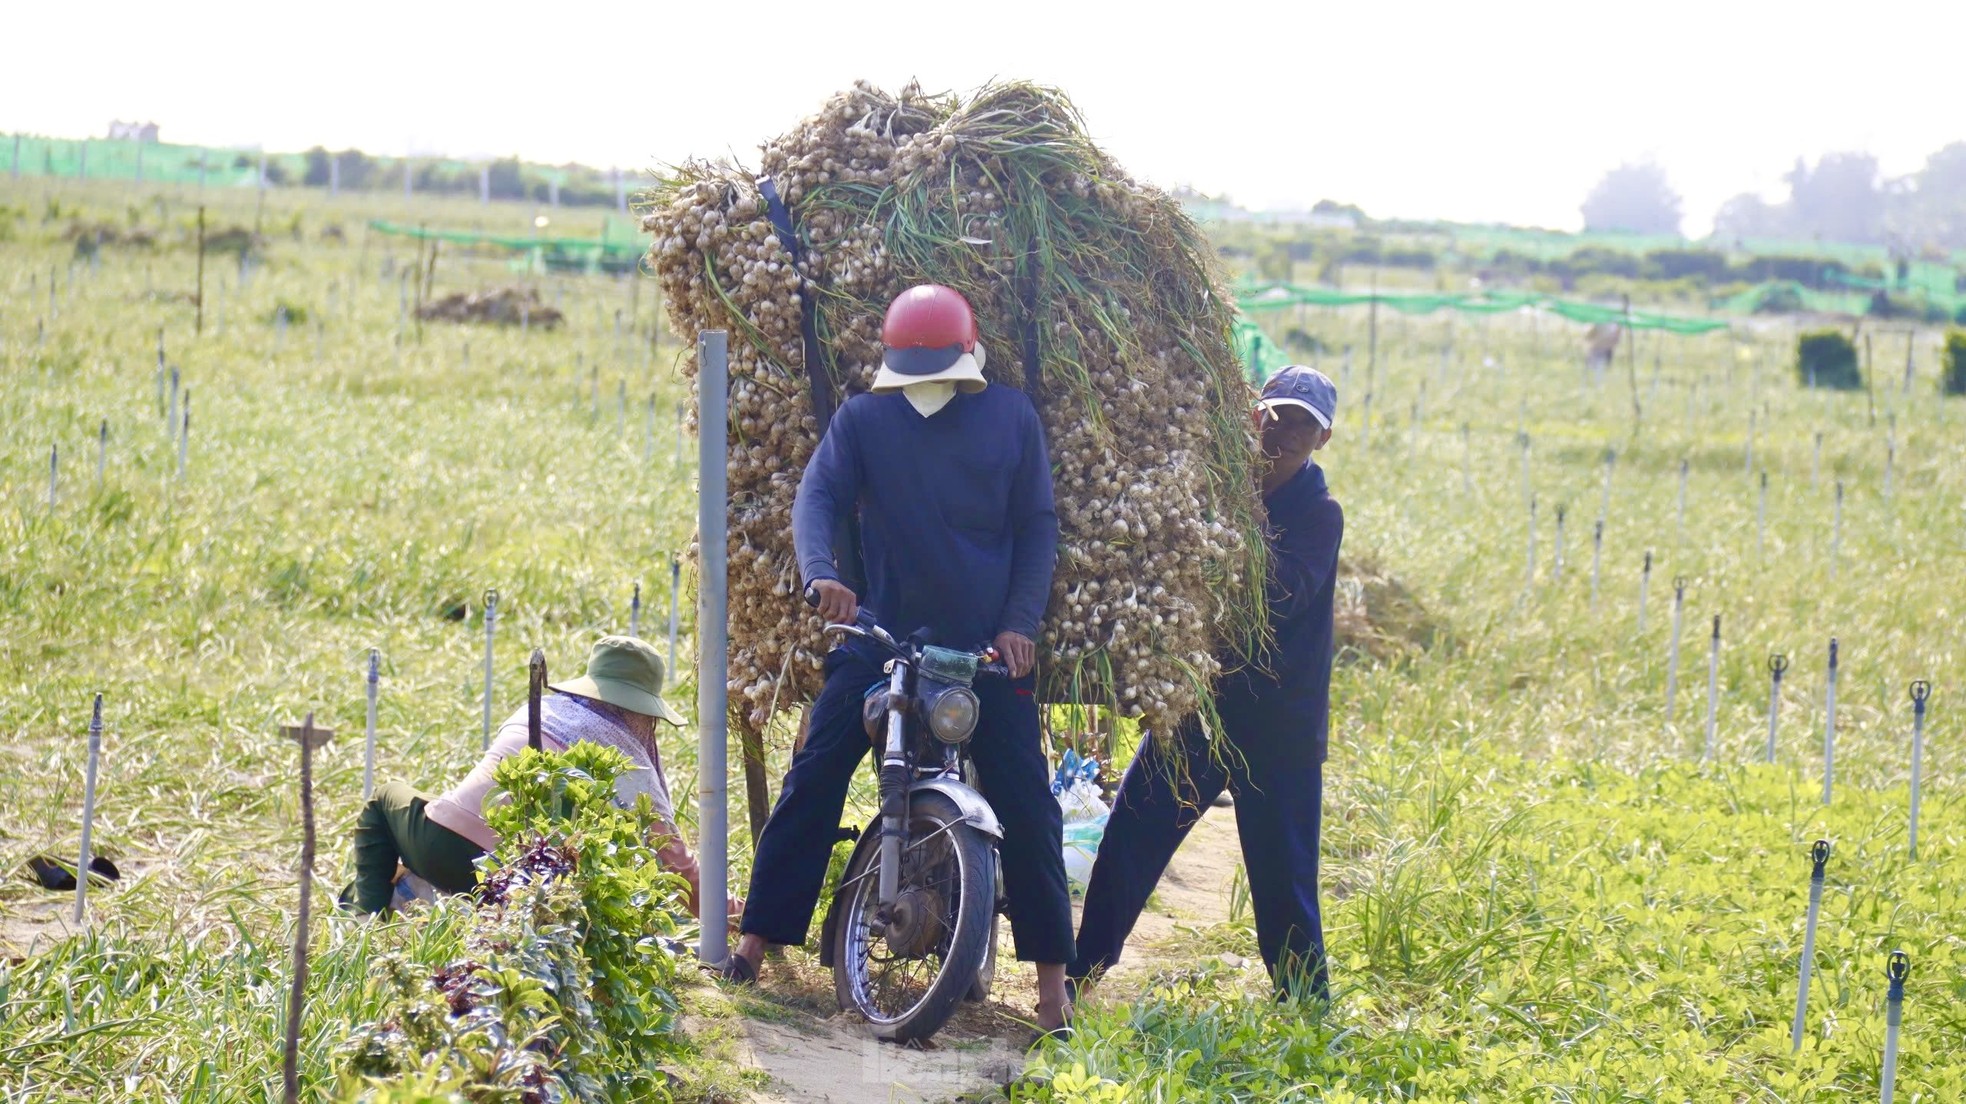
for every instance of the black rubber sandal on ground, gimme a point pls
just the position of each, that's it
(735, 969)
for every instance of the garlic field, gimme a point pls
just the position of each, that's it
(1542, 882)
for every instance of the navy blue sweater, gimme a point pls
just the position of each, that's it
(957, 528)
(1284, 694)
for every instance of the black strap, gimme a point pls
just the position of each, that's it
(846, 530)
(1028, 328)
(817, 370)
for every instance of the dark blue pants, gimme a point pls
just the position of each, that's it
(793, 850)
(1279, 793)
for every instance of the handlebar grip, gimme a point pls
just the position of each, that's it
(998, 670)
(812, 596)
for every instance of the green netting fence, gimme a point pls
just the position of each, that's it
(1268, 297)
(603, 254)
(28, 155)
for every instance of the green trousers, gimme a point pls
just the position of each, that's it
(392, 829)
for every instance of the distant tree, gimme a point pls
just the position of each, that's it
(1938, 201)
(1749, 216)
(356, 168)
(507, 179)
(1333, 207)
(1636, 198)
(1839, 199)
(317, 173)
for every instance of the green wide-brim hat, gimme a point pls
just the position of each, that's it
(627, 672)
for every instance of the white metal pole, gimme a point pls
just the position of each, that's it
(1777, 663)
(1829, 725)
(491, 625)
(1920, 692)
(1713, 686)
(1818, 854)
(88, 810)
(1672, 654)
(1894, 1007)
(368, 754)
(713, 644)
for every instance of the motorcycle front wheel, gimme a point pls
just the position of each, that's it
(904, 967)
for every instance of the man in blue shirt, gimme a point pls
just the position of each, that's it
(1275, 712)
(951, 486)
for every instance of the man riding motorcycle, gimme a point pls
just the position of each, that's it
(949, 481)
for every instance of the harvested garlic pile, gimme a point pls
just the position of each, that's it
(1003, 197)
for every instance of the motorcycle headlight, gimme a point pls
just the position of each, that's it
(952, 715)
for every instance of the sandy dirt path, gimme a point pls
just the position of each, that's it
(792, 1032)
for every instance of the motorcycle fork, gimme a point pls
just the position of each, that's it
(894, 784)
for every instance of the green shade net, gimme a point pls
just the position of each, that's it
(1269, 297)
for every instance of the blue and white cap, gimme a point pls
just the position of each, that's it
(1297, 385)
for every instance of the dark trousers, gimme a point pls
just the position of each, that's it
(1279, 793)
(793, 850)
(392, 829)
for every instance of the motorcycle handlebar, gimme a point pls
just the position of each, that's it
(864, 622)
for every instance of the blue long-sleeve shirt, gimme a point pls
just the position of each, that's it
(1284, 694)
(957, 527)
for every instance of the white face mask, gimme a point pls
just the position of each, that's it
(927, 398)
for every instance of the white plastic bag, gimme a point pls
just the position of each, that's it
(1085, 813)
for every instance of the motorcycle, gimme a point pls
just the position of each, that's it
(911, 929)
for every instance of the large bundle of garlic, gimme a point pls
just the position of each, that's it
(1003, 197)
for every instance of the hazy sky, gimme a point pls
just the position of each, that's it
(1503, 111)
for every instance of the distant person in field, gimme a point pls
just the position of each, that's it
(1601, 343)
(439, 839)
(1275, 713)
(951, 483)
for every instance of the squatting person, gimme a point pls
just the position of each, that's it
(616, 703)
(1275, 714)
(952, 486)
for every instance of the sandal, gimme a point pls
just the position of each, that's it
(735, 969)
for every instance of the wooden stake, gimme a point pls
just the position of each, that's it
(309, 738)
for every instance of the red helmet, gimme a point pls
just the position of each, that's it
(928, 328)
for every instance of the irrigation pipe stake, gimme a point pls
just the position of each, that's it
(1819, 855)
(1610, 462)
(1920, 691)
(679, 434)
(1761, 519)
(1829, 724)
(1679, 532)
(1597, 558)
(309, 738)
(184, 435)
(54, 474)
(713, 644)
(635, 613)
(535, 689)
(1713, 687)
(1897, 969)
(88, 809)
(675, 587)
(1672, 654)
(1816, 463)
(1556, 570)
(491, 626)
(160, 371)
(1777, 663)
(1530, 580)
(368, 746)
(1644, 584)
(1467, 463)
(1836, 532)
(102, 453)
(648, 449)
